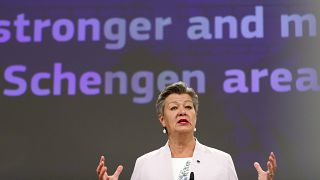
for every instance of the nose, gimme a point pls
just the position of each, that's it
(182, 111)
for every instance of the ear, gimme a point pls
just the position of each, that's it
(162, 121)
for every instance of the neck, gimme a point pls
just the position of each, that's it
(182, 146)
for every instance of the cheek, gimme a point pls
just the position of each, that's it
(169, 115)
(194, 116)
(167, 118)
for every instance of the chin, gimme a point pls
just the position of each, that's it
(185, 130)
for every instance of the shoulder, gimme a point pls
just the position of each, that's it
(148, 165)
(217, 154)
(150, 155)
(213, 151)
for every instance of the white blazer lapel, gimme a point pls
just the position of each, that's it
(165, 165)
(196, 160)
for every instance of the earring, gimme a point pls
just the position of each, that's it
(195, 129)
(164, 130)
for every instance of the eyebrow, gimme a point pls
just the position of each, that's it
(176, 102)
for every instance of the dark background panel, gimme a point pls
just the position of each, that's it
(63, 136)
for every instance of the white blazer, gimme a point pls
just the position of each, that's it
(207, 164)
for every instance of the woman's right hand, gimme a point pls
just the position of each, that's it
(102, 171)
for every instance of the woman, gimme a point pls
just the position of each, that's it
(183, 157)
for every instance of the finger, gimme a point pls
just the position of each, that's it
(270, 168)
(271, 160)
(274, 168)
(118, 171)
(102, 158)
(100, 164)
(274, 160)
(102, 172)
(99, 167)
(258, 167)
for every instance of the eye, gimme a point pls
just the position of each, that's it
(173, 108)
(188, 107)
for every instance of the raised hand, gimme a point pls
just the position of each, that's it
(102, 171)
(272, 167)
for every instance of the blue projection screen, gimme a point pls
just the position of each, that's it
(79, 79)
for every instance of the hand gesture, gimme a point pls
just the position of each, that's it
(102, 171)
(272, 167)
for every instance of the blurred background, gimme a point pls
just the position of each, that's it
(79, 79)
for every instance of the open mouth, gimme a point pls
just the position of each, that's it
(183, 121)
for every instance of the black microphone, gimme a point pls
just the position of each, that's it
(191, 176)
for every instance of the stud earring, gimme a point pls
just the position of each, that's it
(195, 129)
(164, 130)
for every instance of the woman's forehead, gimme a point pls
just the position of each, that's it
(178, 98)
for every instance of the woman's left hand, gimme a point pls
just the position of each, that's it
(272, 167)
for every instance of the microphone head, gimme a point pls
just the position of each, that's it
(191, 176)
